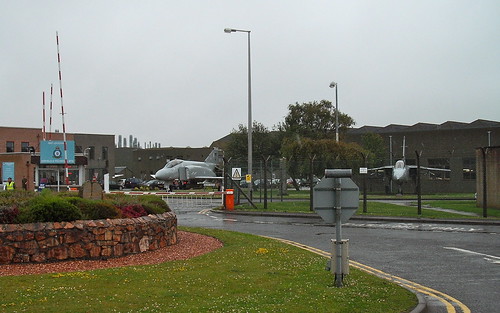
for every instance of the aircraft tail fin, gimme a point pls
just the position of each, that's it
(215, 157)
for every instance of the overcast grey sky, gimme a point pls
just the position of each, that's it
(165, 71)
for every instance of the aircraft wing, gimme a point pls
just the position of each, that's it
(382, 168)
(430, 168)
(208, 177)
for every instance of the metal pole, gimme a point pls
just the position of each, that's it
(419, 188)
(485, 189)
(335, 85)
(265, 181)
(311, 165)
(66, 166)
(232, 30)
(338, 234)
(336, 114)
(249, 119)
(390, 160)
(364, 184)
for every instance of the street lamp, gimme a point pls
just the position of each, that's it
(335, 85)
(231, 30)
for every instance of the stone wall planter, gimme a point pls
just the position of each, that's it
(89, 239)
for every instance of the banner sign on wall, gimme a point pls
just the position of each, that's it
(52, 152)
(7, 170)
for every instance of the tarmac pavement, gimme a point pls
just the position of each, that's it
(428, 302)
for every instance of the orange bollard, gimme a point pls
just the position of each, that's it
(230, 199)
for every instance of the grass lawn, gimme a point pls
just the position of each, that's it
(304, 194)
(249, 274)
(465, 206)
(386, 209)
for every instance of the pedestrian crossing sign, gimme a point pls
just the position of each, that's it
(236, 173)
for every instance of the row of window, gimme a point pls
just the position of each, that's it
(9, 146)
(25, 147)
(90, 152)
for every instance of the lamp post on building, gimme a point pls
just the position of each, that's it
(232, 30)
(335, 85)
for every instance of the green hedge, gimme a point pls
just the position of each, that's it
(48, 206)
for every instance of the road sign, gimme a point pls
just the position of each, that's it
(236, 173)
(325, 194)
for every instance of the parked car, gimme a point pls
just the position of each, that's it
(305, 182)
(153, 184)
(132, 182)
(115, 185)
(270, 182)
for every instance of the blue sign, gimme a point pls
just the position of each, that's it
(8, 170)
(52, 152)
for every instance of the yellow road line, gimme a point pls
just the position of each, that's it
(442, 297)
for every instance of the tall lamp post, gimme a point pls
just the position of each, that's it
(335, 85)
(231, 30)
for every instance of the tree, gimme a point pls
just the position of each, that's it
(314, 120)
(374, 144)
(264, 142)
(327, 153)
(309, 133)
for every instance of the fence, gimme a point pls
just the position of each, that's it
(191, 199)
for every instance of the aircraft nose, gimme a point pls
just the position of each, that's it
(158, 174)
(397, 175)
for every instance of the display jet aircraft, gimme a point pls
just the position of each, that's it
(189, 172)
(402, 172)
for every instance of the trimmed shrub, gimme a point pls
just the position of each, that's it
(20, 206)
(104, 210)
(8, 214)
(133, 210)
(50, 209)
(94, 209)
(154, 204)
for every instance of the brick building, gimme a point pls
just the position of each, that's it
(20, 157)
(450, 145)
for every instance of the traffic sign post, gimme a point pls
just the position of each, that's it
(336, 199)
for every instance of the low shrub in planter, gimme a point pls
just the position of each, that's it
(133, 210)
(50, 209)
(11, 201)
(94, 209)
(21, 206)
(154, 204)
(8, 214)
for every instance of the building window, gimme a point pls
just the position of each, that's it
(91, 152)
(469, 168)
(9, 147)
(104, 153)
(439, 163)
(25, 147)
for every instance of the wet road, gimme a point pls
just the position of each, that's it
(462, 261)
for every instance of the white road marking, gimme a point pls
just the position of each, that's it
(492, 261)
(489, 258)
